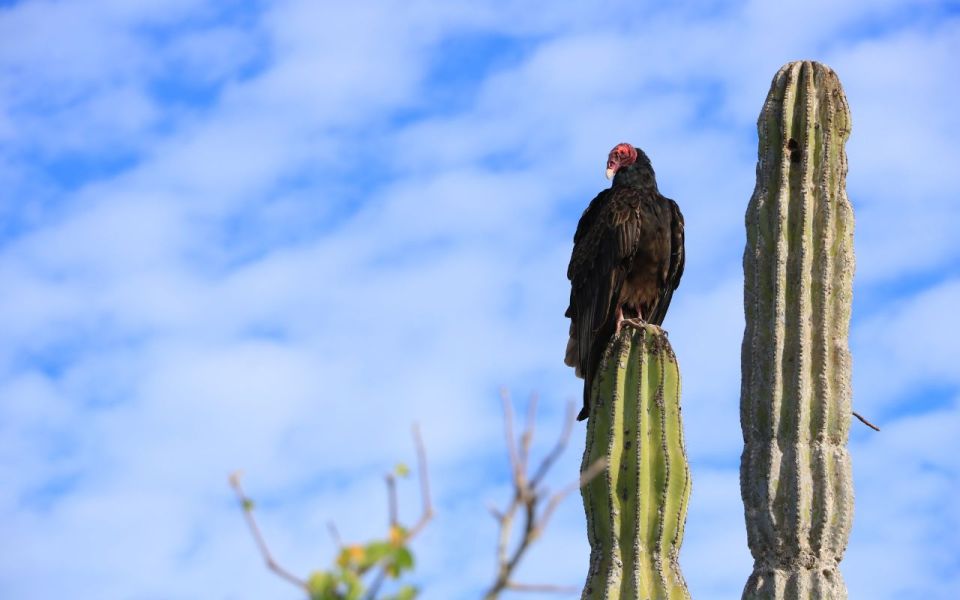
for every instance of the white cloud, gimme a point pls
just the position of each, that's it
(715, 559)
(907, 350)
(75, 78)
(903, 542)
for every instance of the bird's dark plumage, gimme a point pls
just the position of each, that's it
(627, 259)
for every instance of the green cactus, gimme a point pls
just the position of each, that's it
(636, 509)
(795, 403)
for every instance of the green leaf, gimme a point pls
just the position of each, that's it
(400, 561)
(407, 592)
(320, 584)
(403, 559)
(375, 552)
(354, 585)
(247, 504)
(401, 470)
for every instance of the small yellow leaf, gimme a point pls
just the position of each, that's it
(401, 470)
(350, 555)
(398, 535)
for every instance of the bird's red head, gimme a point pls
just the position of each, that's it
(622, 155)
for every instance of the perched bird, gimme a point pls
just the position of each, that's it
(627, 260)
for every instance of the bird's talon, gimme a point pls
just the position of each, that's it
(635, 323)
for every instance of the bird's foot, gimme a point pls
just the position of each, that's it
(636, 323)
(616, 328)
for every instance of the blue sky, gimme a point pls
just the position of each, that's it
(270, 236)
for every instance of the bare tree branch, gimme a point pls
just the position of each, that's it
(527, 498)
(592, 471)
(427, 513)
(247, 505)
(425, 517)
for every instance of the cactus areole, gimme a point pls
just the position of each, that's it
(795, 403)
(636, 509)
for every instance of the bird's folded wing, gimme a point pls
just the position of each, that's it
(607, 235)
(675, 269)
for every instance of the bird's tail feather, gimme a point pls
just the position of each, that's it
(572, 357)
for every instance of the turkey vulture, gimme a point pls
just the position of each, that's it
(627, 260)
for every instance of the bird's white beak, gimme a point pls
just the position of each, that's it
(610, 173)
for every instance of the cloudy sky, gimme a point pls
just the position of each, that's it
(272, 235)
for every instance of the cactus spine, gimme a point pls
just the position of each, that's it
(795, 402)
(636, 510)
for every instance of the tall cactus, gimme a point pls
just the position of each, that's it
(795, 403)
(637, 509)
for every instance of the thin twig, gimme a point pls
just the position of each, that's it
(558, 449)
(392, 499)
(247, 505)
(866, 422)
(529, 520)
(592, 471)
(393, 512)
(511, 441)
(377, 582)
(503, 542)
(424, 484)
(526, 439)
(334, 534)
(495, 512)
